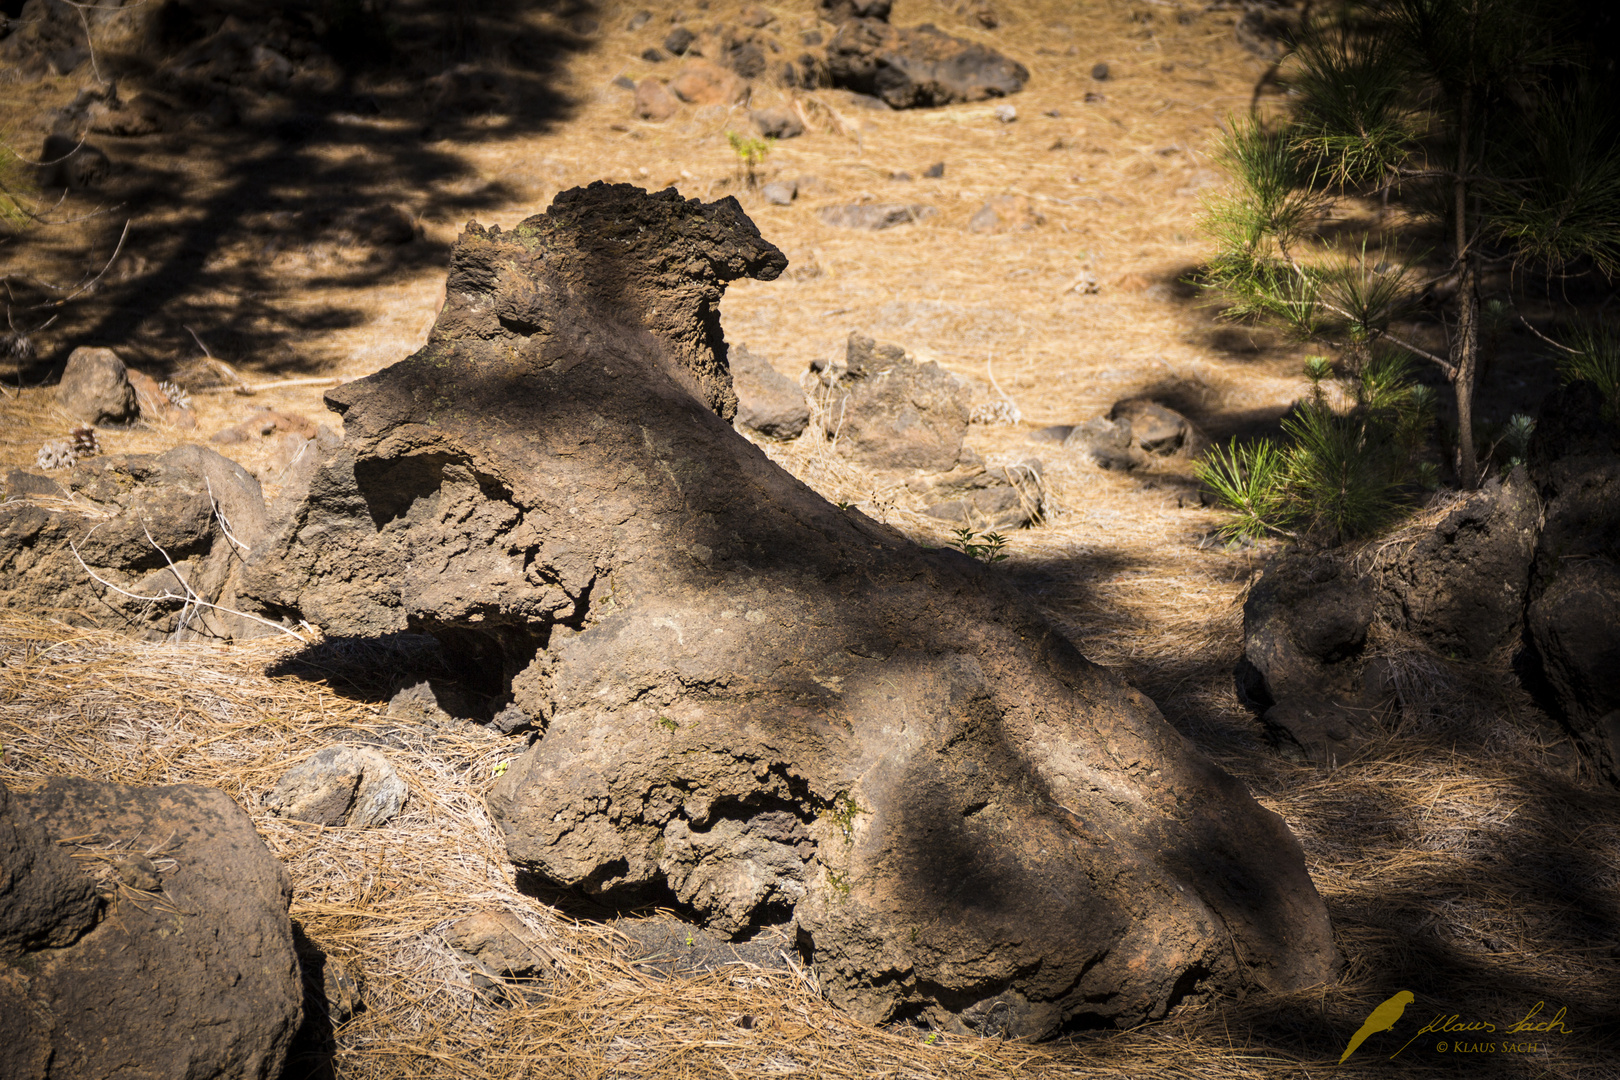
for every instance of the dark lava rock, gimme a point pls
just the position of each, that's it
(918, 67)
(135, 513)
(721, 660)
(1574, 608)
(189, 972)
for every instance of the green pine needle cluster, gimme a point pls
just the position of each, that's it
(1335, 475)
(1595, 356)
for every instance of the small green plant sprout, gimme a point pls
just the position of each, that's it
(933, 1037)
(500, 770)
(839, 881)
(690, 941)
(843, 504)
(1512, 441)
(750, 152)
(842, 814)
(988, 548)
(668, 724)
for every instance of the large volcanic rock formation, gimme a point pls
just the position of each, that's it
(770, 707)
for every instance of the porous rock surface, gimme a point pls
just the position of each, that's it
(175, 965)
(143, 523)
(1573, 617)
(95, 387)
(771, 708)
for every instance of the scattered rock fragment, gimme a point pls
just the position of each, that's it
(1000, 497)
(340, 785)
(767, 401)
(780, 192)
(1006, 213)
(1156, 431)
(891, 413)
(777, 123)
(875, 216)
(700, 82)
(95, 387)
(679, 40)
(653, 101)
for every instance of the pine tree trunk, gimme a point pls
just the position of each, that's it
(1465, 353)
(1466, 356)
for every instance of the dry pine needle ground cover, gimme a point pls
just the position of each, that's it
(1469, 855)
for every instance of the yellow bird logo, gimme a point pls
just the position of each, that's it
(1380, 1019)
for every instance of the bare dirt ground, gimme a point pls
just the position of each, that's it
(1469, 855)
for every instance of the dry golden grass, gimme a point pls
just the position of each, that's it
(1468, 854)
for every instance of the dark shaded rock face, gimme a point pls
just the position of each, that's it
(190, 970)
(772, 708)
(134, 513)
(918, 66)
(1305, 615)
(1462, 587)
(1574, 613)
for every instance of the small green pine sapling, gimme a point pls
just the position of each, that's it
(750, 152)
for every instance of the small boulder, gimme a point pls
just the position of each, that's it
(95, 387)
(918, 67)
(340, 785)
(874, 216)
(199, 980)
(679, 40)
(1106, 442)
(1003, 497)
(780, 192)
(639, 19)
(653, 101)
(1573, 617)
(767, 401)
(700, 82)
(1462, 587)
(888, 412)
(1156, 431)
(1304, 618)
(72, 164)
(1005, 213)
(777, 123)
